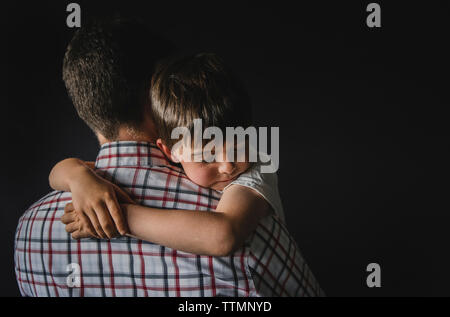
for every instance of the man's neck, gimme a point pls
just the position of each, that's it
(129, 134)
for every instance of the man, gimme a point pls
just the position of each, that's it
(107, 71)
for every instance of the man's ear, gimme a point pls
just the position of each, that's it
(167, 151)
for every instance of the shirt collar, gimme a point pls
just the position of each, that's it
(130, 153)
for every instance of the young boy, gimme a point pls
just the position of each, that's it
(189, 88)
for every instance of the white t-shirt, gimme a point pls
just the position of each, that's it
(266, 184)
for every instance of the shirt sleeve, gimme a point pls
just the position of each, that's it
(266, 184)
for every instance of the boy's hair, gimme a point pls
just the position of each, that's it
(198, 86)
(107, 71)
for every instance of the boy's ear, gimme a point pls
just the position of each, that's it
(167, 151)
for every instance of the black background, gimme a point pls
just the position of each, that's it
(364, 133)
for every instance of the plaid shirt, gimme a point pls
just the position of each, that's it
(269, 264)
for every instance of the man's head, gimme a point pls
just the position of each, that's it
(107, 71)
(202, 87)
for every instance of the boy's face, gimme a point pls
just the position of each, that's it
(219, 173)
(215, 175)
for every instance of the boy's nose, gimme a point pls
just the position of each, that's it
(226, 168)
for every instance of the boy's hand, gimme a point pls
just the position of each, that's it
(77, 223)
(97, 200)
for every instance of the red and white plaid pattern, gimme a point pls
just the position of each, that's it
(269, 264)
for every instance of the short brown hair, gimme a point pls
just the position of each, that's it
(107, 71)
(197, 86)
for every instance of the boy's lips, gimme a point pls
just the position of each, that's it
(228, 180)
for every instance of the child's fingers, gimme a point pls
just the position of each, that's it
(81, 234)
(78, 235)
(117, 215)
(105, 220)
(68, 218)
(69, 208)
(90, 213)
(71, 227)
(86, 227)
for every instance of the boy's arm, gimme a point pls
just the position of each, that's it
(201, 232)
(94, 196)
(89, 164)
(66, 171)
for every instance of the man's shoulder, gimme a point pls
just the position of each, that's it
(51, 200)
